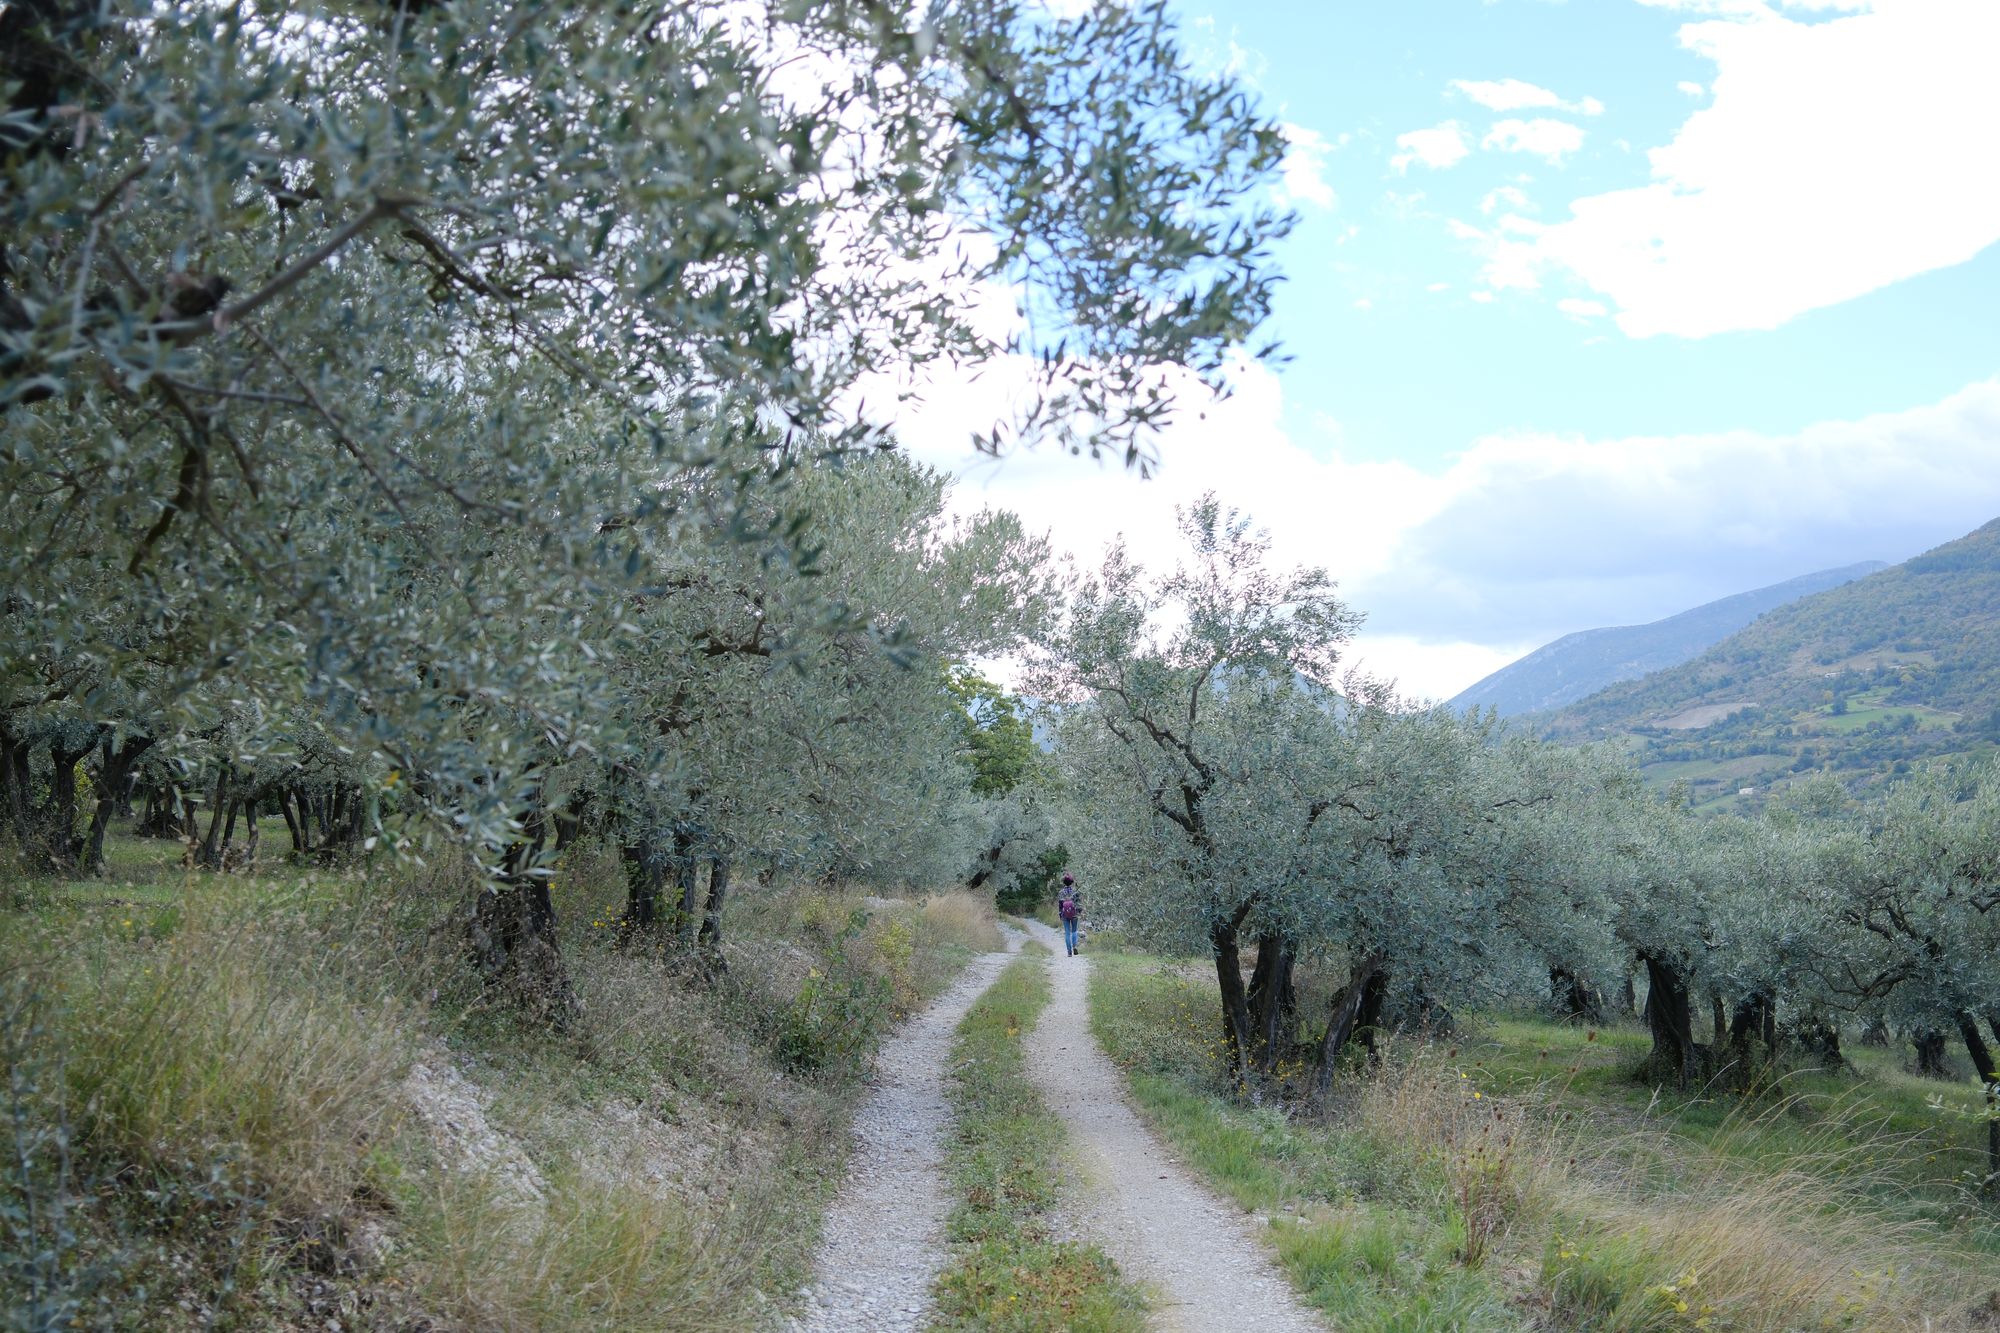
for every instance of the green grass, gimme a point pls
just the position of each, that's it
(1007, 1271)
(1363, 1231)
(1520, 1174)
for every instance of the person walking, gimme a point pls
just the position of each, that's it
(1069, 906)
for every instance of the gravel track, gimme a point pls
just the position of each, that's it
(883, 1242)
(1198, 1256)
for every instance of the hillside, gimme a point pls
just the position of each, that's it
(1861, 679)
(1578, 665)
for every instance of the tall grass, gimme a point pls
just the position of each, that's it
(1427, 1197)
(210, 1120)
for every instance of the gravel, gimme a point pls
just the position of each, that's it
(883, 1242)
(1201, 1262)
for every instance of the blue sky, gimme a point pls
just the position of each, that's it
(1597, 310)
(1415, 373)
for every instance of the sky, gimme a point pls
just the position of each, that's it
(1595, 311)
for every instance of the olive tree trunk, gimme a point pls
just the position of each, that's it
(1345, 1017)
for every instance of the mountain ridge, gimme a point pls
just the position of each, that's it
(1575, 666)
(1861, 679)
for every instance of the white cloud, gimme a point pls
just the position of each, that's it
(1304, 174)
(1484, 298)
(1438, 287)
(1428, 669)
(1363, 303)
(1551, 139)
(1580, 309)
(1507, 196)
(1508, 249)
(1691, 88)
(1543, 534)
(1439, 147)
(1837, 156)
(1514, 95)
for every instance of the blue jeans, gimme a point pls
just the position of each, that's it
(1069, 934)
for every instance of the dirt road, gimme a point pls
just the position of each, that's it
(1203, 1265)
(883, 1242)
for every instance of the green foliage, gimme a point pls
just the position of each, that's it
(999, 743)
(1008, 1271)
(473, 381)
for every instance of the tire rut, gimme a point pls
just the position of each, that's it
(1196, 1254)
(882, 1243)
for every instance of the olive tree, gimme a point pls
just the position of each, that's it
(363, 356)
(1150, 676)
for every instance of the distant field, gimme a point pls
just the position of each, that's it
(1704, 715)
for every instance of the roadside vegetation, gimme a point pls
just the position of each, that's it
(1518, 1175)
(1011, 1268)
(258, 1101)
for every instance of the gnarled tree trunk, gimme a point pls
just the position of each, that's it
(1931, 1062)
(1273, 1001)
(513, 935)
(1670, 1017)
(1236, 1027)
(115, 769)
(1575, 1000)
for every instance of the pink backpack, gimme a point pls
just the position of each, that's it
(1066, 908)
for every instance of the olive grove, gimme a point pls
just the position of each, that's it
(1228, 796)
(449, 423)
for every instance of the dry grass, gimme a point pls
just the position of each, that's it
(1426, 1198)
(1637, 1235)
(964, 918)
(211, 1090)
(598, 1254)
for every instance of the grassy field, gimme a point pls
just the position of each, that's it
(278, 1099)
(1517, 1176)
(1008, 1272)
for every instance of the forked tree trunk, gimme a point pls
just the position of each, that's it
(1575, 1000)
(1753, 1020)
(515, 946)
(1669, 1016)
(513, 936)
(58, 846)
(211, 845)
(1341, 1023)
(116, 768)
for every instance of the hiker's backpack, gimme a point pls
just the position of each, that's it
(1066, 909)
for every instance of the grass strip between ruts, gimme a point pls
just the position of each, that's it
(1005, 1159)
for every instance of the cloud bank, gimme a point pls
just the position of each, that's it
(1837, 155)
(1524, 537)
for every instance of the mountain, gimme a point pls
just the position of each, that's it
(1861, 679)
(1578, 665)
